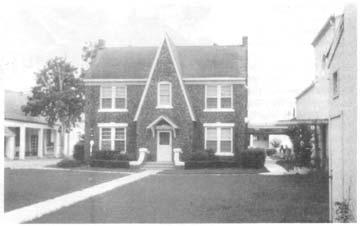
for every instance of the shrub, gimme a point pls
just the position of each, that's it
(79, 151)
(211, 154)
(68, 163)
(198, 156)
(109, 163)
(252, 158)
(270, 151)
(109, 155)
(210, 164)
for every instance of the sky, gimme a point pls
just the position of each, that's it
(280, 32)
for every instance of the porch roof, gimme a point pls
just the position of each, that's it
(158, 120)
(302, 121)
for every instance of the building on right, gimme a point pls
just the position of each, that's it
(332, 97)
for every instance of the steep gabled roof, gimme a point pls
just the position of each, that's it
(193, 61)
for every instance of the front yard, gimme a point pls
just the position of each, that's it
(204, 198)
(28, 186)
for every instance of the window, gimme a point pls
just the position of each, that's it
(335, 85)
(219, 139)
(112, 98)
(164, 95)
(218, 97)
(113, 138)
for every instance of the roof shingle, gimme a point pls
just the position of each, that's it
(195, 61)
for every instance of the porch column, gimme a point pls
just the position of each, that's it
(22, 142)
(40, 151)
(66, 144)
(57, 143)
(10, 147)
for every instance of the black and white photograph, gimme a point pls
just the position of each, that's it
(178, 111)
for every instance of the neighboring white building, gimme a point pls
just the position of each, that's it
(27, 136)
(331, 100)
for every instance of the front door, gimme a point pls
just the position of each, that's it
(164, 146)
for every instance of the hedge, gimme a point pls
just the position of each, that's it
(109, 155)
(68, 163)
(79, 151)
(252, 158)
(210, 164)
(109, 163)
(270, 151)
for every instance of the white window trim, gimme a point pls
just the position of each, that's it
(112, 140)
(218, 127)
(159, 106)
(218, 93)
(113, 98)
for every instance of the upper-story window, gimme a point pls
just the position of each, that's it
(218, 98)
(113, 98)
(335, 84)
(164, 99)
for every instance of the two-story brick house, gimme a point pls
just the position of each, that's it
(166, 97)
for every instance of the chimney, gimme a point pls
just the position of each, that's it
(101, 44)
(245, 41)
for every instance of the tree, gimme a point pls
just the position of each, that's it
(276, 142)
(300, 136)
(58, 95)
(90, 50)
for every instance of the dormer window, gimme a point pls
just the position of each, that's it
(113, 98)
(219, 98)
(164, 97)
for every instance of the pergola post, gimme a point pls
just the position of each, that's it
(57, 144)
(22, 142)
(10, 147)
(40, 151)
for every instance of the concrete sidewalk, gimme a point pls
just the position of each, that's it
(30, 163)
(273, 168)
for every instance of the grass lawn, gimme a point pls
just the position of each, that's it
(204, 198)
(26, 187)
(216, 171)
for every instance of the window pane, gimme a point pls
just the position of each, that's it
(119, 145)
(106, 92)
(120, 91)
(120, 103)
(119, 134)
(225, 102)
(106, 133)
(106, 103)
(164, 94)
(164, 100)
(211, 134)
(164, 138)
(106, 145)
(226, 91)
(211, 145)
(226, 134)
(164, 89)
(211, 103)
(225, 146)
(211, 91)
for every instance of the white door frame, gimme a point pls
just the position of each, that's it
(158, 140)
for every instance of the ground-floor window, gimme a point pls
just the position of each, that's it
(113, 138)
(220, 139)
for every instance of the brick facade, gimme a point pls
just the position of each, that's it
(189, 134)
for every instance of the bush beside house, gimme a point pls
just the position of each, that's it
(109, 159)
(252, 158)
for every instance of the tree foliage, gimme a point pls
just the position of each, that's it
(300, 136)
(90, 50)
(276, 142)
(58, 94)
